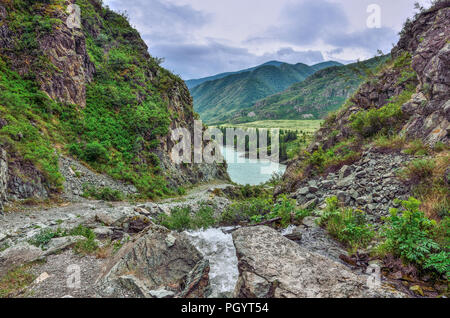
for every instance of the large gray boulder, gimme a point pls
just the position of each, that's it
(156, 263)
(271, 266)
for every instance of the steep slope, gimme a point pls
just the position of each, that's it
(314, 98)
(195, 82)
(92, 92)
(218, 100)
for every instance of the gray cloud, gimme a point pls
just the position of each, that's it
(173, 31)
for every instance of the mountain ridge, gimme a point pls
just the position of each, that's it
(218, 100)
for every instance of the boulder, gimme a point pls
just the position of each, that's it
(271, 266)
(148, 265)
(17, 255)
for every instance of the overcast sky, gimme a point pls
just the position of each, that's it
(199, 38)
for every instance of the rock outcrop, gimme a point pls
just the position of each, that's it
(157, 263)
(271, 266)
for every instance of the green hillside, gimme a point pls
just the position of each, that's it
(325, 91)
(220, 100)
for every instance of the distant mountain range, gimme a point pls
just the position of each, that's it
(313, 98)
(222, 97)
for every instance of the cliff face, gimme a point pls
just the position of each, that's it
(107, 102)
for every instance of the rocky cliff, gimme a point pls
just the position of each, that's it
(91, 91)
(358, 153)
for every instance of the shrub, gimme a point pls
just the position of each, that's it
(89, 244)
(384, 120)
(242, 211)
(45, 236)
(178, 220)
(347, 225)
(105, 194)
(203, 218)
(418, 171)
(95, 151)
(409, 233)
(417, 148)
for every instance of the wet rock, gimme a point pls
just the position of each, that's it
(272, 266)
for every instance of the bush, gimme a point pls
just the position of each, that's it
(348, 226)
(417, 148)
(418, 171)
(183, 218)
(409, 233)
(95, 151)
(105, 194)
(45, 236)
(243, 211)
(384, 120)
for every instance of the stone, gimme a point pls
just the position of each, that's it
(19, 254)
(310, 204)
(417, 290)
(271, 266)
(344, 183)
(327, 184)
(310, 221)
(44, 276)
(313, 189)
(103, 232)
(105, 219)
(162, 293)
(344, 172)
(61, 243)
(303, 191)
(180, 269)
(170, 240)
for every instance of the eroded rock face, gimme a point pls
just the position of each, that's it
(271, 266)
(156, 263)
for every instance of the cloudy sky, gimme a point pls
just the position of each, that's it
(199, 38)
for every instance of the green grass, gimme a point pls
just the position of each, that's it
(15, 281)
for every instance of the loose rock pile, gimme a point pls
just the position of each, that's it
(370, 184)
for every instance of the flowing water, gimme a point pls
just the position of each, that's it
(249, 171)
(218, 248)
(214, 244)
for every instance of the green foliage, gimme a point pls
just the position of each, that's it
(45, 236)
(184, 218)
(440, 263)
(384, 120)
(417, 148)
(347, 225)
(418, 171)
(87, 246)
(344, 152)
(105, 194)
(409, 234)
(243, 211)
(258, 211)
